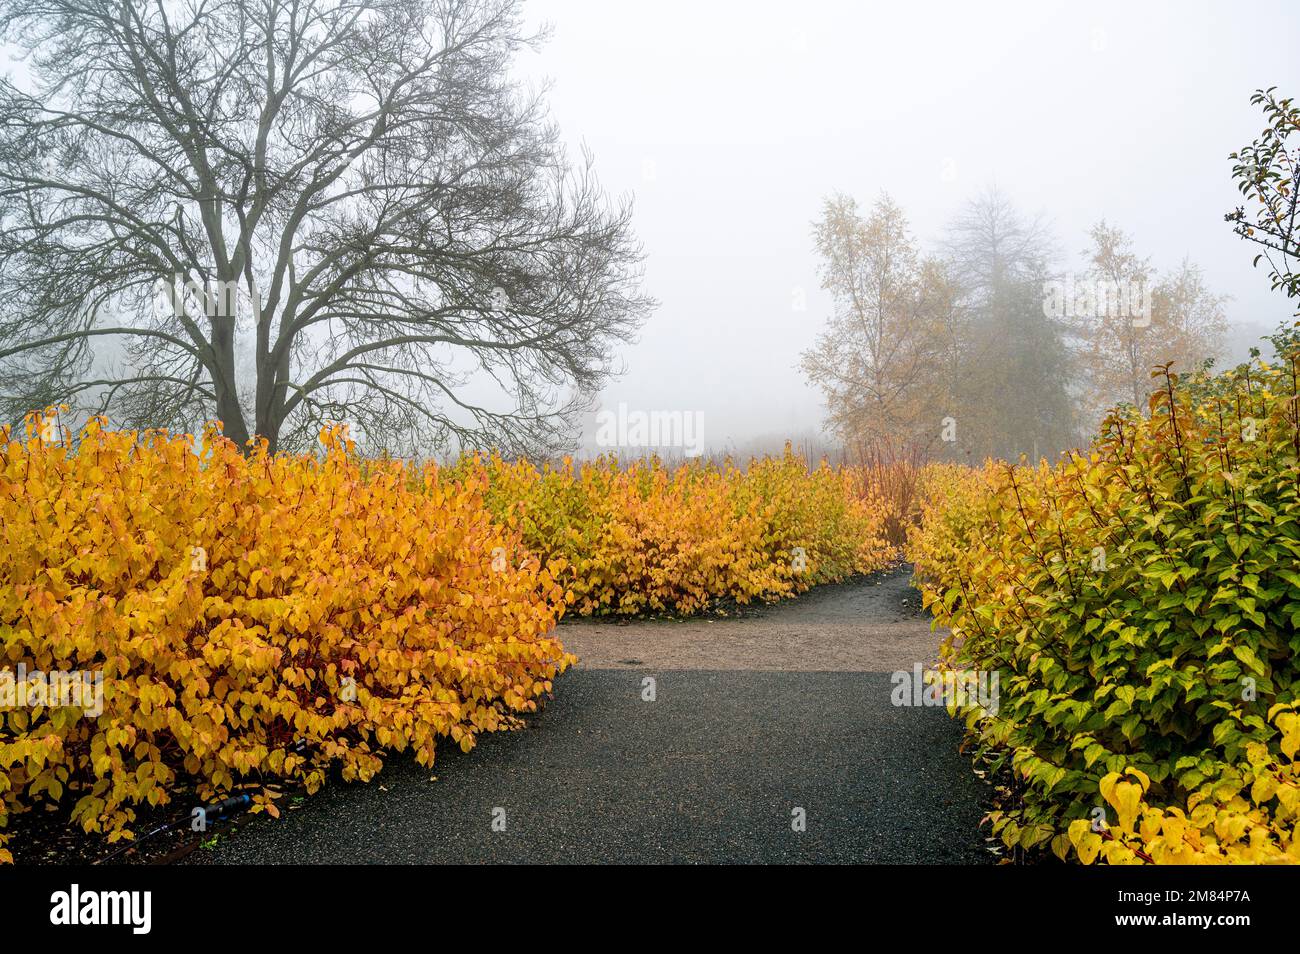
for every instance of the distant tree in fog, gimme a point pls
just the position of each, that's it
(947, 355)
(1013, 386)
(990, 245)
(1175, 318)
(879, 360)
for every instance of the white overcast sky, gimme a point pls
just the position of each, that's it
(729, 122)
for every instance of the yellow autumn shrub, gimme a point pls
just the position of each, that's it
(1247, 814)
(647, 537)
(254, 618)
(1140, 603)
(951, 508)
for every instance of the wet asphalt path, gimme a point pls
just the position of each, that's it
(722, 766)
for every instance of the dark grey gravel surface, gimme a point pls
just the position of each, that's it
(711, 771)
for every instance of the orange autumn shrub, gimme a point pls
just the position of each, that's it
(254, 619)
(651, 538)
(893, 479)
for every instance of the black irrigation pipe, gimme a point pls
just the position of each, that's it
(211, 813)
(223, 810)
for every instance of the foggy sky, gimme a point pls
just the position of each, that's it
(730, 122)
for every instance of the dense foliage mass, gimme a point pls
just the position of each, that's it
(255, 618)
(1141, 604)
(259, 618)
(647, 537)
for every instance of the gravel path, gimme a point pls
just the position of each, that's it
(873, 624)
(741, 740)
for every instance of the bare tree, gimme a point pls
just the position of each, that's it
(990, 245)
(285, 212)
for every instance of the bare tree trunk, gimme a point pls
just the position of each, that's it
(224, 385)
